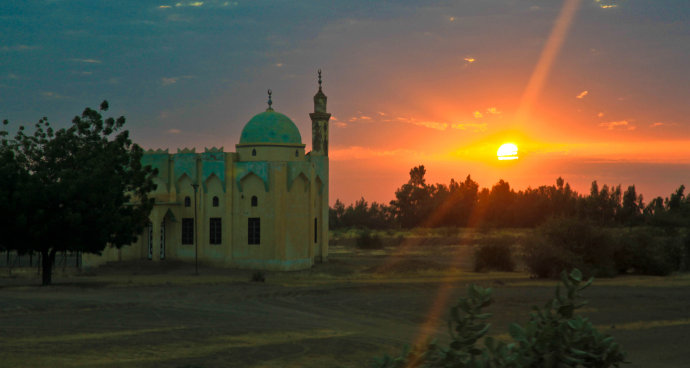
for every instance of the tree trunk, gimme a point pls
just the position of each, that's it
(47, 259)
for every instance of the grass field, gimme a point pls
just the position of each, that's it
(359, 305)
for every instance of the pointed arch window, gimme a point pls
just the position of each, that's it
(296, 153)
(187, 201)
(254, 152)
(255, 201)
(216, 201)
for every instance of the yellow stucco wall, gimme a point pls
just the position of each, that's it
(291, 189)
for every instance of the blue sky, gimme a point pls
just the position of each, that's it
(408, 82)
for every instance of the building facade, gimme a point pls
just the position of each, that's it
(264, 206)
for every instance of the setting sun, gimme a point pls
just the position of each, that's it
(508, 151)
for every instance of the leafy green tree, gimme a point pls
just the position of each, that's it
(79, 188)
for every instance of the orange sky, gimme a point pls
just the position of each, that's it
(587, 89)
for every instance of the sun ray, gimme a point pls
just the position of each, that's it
(536, 82)
(547, 57)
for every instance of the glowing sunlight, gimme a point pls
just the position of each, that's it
(507, 151)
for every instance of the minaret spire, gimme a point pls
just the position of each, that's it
(270, 102)
(319, 122)
(319, 80)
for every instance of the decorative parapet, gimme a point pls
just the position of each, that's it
(258, 168)
(295, 168)
(212, 163)
(184, 163)
(157, 151)
(186, 150)
(158, 159)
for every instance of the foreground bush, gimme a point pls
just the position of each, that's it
(567, 243)
(553, 337)
(494, 253)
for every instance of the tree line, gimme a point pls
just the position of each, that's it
(464, 204)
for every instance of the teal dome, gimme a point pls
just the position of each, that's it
(270, 127)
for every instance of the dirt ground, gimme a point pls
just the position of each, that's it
(358, 306)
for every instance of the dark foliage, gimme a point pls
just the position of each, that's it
(565, 243)
(258, 276)
(369, 240)
(651, 251)
(75, 189)
(495, 253)
(463, 204)
(554, 336)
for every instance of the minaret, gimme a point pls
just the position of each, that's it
(319, 123)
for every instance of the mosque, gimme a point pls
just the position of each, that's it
(264, 206)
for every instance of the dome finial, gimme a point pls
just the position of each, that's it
(319, 79)
(270, 102)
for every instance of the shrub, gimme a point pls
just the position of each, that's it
(543, 259)
(649, 251)
(495, 253)
(553, 337)
(368, 240)
(258, 276)
(565, 243)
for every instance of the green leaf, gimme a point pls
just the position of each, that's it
(576, 275)
(517, 332)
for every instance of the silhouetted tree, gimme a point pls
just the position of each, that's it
(631, 210)
(79, 188)
(412, 204)
(417, 203)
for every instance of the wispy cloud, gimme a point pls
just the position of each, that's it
(660, 124)
(601, 114)
(166, 81)
(475, 127)
(87, 61)
(477, 114)
(337, 122)
(582, 95)
(173, 131)
(386, 118)
(52, 95)
(621, 124)
(470, 60)
(18, 48)
(359, 152)
(169, 81)
(424, 123)
(493, 111)
(194, 4)
(360, 117)
(197, 4)
(606, 4)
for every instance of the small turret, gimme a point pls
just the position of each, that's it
(319, 123)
